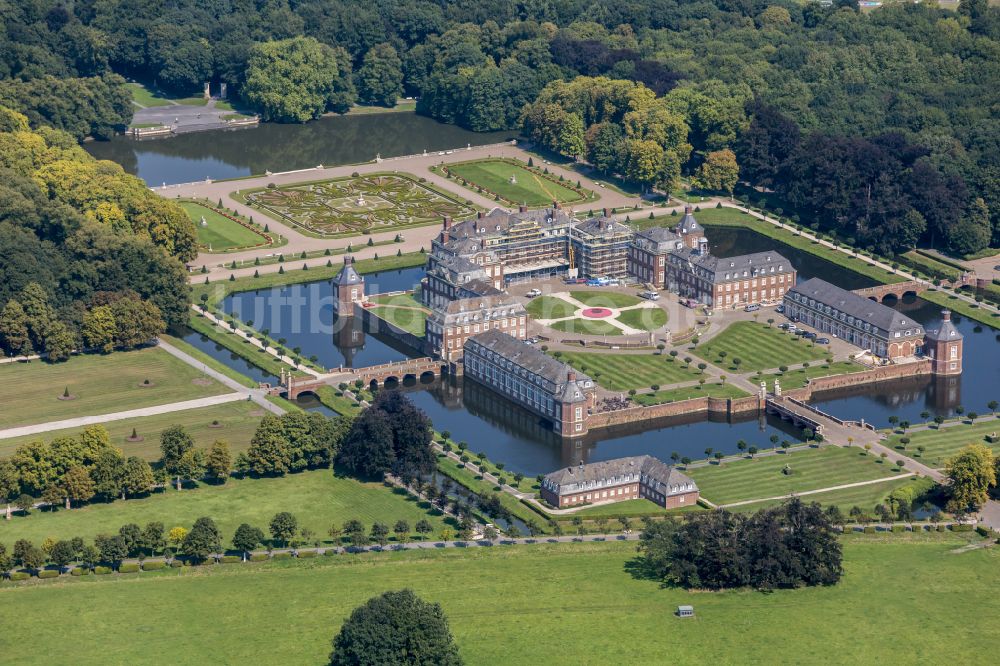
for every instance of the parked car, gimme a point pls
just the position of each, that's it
(791, 327)
(801, 333)
(822, 341)
(779, 309)
(751, 308)
(534, 292)
(810, 336)
(650, 295)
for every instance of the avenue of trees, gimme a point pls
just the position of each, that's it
(397, 628)
(791, 545)
(91, 258)
(878, 126)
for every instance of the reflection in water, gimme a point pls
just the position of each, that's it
(280, 147)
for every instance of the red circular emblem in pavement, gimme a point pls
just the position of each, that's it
(596, 313)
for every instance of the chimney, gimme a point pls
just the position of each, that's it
(607, 212)
(447, 222)
(687, 209)
(347, 260)
(479, 215)
(522, 209)
(571, 376)
(556, 205)
(945, 315)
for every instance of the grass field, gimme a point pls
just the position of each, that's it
(644, 319)
(317, 498)
(865, 497)
(586, 327)
(634, 507)
(759, 347)
(797, 378)
(605, 299)
(760, 477)
(30, 392)
(144, 96)
(531, 189)
(971, 310)
(946, 442)
(620, 372)
(237, 423)
(402, 310)
(714, 390)
(221, 234)
(514, 601)
(549, 307)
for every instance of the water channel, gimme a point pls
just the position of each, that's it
(277, 147)
(304, 317)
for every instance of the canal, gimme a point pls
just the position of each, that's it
(276, 147)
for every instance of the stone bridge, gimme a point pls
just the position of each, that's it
(898, 289)
(833, 429)
(372, 376)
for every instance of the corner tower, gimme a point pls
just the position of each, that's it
(348, 289)
(943, 346)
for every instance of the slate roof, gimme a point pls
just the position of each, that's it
(689, 225)
(529, 358)
(499, 220)
(659, 238)
(755, 264)
(654, 473)
(601, 226)
(945, 330)
(348, 276)
(853, 305)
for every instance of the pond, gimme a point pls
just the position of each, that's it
(276, 147)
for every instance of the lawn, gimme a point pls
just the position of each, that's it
(586, 327)
(620, 372)
(532, 187)
(644, 319)
(145, 97)
(761, 477)
(402, 310)
(865, 497)
(946, 442)
(973, 311)
(30, 392)
(237, 423)
(714, 390)
(515, 601)
(634, 507)
(759, 347)
(220, 233)
(550, 307)
(605, 299)
(797, 378)
(317, 498)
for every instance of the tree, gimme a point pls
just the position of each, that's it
(78, 485)
(380, 77)
(153, 538)
(402, 531)
(398, 624)
(174, 443)
(190, 466)
(424, 527)
(137, 477)
(14, 337)
(283, 527)
(297, 79)
(176, 536)
(268, 453)
(719, 172)
(972, 472)
(63, 554)
(33, 558)
(380, 534)
(108, 473)
(203, 540)
(99, 329)
(113, 549)
(247, 538)
(131, 534)
(10, 484)
(219, 462)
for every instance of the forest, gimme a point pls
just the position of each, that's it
(879, 126)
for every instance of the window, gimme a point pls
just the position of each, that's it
(953, 352)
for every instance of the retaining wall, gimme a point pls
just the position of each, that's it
(708, 405)
(880, 374)
(376, 324)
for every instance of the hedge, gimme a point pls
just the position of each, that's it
(230, 559)
(102, 571)
(258, 557)
(176, 564)
(330, 552)
(20, 575)
(48, 573)
(128, 568)
(282, 556)
(153, 566)
(898, 528)
(963, 527)
(307, 553)
(869, 529)
(79, 571)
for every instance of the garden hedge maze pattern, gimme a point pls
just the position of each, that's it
(360, 204)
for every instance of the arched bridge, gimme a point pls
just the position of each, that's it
(898, 289)
(372, 376)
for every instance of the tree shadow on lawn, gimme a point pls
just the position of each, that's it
(640, 569)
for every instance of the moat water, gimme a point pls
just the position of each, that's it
(283, 147)
(303, 314)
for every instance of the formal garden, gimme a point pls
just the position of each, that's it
(514, 183)
(371, 203)
(746, 346)
(597, 313)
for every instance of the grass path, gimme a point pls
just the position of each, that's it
(317, 498)
(30, 392)
(582, 593)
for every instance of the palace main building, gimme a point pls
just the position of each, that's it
(619, 480)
